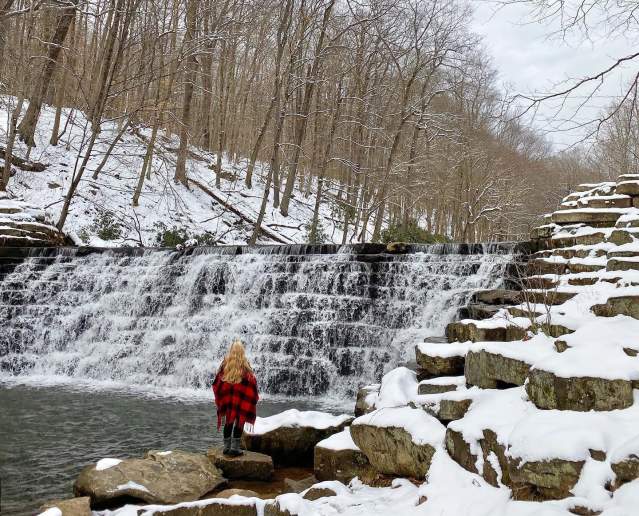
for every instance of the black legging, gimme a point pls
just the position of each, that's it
(233, 428)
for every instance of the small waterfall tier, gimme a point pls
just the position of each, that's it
(315, 319)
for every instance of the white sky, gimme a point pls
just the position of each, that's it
(529, 61)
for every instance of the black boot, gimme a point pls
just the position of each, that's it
(227, 446)
(235, 450)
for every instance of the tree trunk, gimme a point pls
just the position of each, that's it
(26, 129)
(191, 69)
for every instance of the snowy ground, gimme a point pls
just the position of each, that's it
(163, 202)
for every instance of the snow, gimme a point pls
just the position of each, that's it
(294, 418)
(162, 201)
(164, 453)
(445, 350)
(422, 427)
(132, 485)
(339, 441)
(53, 511)
(107, 463)
(398, 388)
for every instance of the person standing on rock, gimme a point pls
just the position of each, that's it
(235, 390)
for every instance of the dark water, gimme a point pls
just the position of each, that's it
(48, 434)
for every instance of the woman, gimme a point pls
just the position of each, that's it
(235, 390)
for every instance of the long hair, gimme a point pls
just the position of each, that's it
(235, 363)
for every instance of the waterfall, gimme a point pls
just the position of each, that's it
(315, 319)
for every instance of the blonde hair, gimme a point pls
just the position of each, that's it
(235, 363)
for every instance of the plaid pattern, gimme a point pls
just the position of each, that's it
(235, 401)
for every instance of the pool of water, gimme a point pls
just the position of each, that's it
(48, 434)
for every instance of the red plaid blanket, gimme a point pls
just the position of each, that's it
(235, 401)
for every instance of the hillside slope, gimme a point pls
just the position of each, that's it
(102, 213)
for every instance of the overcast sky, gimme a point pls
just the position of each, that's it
(529, 61)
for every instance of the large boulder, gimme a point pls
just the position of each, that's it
(549, 391)
(551, 479)
(248, 466)
(160, 477)
(625, 462)
(618, 305)
(339, 458)
(234, 506)
(290, 437)
(398, 441)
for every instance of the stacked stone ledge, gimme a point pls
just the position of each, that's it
(519, 352)
(23, 225)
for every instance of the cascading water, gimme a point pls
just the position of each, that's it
(315, 320)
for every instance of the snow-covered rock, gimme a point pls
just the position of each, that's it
(339, 458)
(290, 437)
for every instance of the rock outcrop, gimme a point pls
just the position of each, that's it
(339, 458)
(398, 441)
(23, 225)
(290, 437)
(70, 507)
(160, 477)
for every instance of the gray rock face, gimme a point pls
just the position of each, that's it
(70, 507)
(392, 451)
(548, 391)
(162, 478)
(619, 305)
(468, 331)
(290, 446)
(433, 365)
(487, 370)
(342, 465)
(548, 480)
(249, 466)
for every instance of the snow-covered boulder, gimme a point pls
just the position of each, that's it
(290, 437)
(625, 461)
(339, 458)
(160, 477)
(398, 441)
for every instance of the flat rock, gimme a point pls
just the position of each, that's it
(297, 486)
(71, 507)
(592, 217)
(398, 441)
(158, 478)
(548, 391)
(463, 331)
(315, 493)
(248, 466)
(441, 384)
(548, 480)
(290, 437)
(618, 305)
(628, 187)
(212, 507)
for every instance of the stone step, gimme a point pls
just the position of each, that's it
(623, 236)
(490, 370)
(497, 297)
(628, 187)
(600, 218)
(622, 264)
(627, 177)
(579, 239)
(618, 305)
(541, 266)
(449, 406)
(478, 311)
(248, 466)
(605, 201)
(540, 282)
(464, 331)
(441, 384)
(437, 359)
(569, 253)
(549, 391)
(623, 253)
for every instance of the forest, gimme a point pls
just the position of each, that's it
(390, 112)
